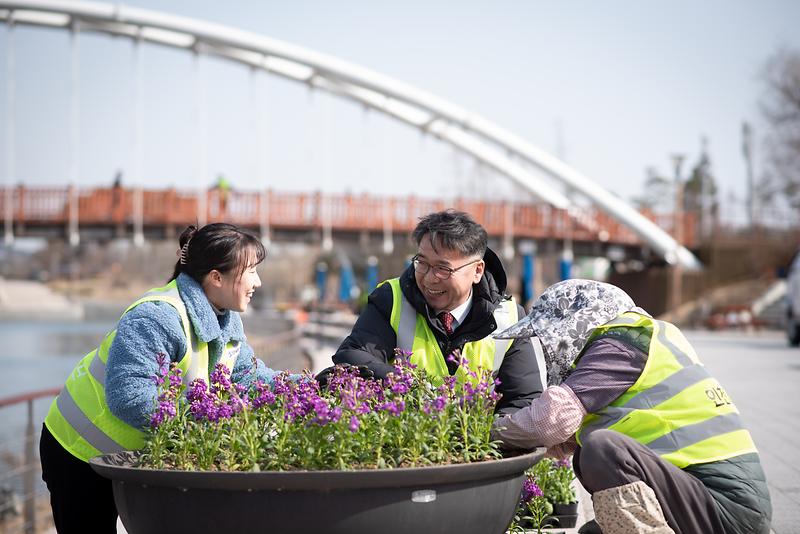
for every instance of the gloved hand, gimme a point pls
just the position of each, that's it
(324, 376)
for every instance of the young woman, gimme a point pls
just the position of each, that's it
(109, 396)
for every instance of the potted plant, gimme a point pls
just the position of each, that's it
(400, 455)
(548, 498)
(561, 492)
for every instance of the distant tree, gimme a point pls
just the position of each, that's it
(658, 193)
(780, 106)
(700, 192)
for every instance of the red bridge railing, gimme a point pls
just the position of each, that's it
(43, 206)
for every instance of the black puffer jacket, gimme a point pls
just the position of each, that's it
(372, 341)
(739, 488)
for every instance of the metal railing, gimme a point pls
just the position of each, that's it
(27, 468)
(36, 207)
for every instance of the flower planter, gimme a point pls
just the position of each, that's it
(468, 498)
(565, 515)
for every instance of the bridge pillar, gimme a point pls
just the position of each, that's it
(263, 216)
(75, 137)
(11, 106)
(388, 238)
(138, 143)
(73, 236)
(508, 231)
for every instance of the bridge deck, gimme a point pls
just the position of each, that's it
(35, 210)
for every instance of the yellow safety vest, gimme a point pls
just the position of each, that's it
(415, 335)
(675, 407)
(79, 417)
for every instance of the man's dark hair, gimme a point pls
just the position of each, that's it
(453, 230)
(218, 246)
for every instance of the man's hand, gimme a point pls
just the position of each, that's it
(325, 375)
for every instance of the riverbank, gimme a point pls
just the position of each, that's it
(34, 301)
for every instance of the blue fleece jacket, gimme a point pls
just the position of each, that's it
(155, 327)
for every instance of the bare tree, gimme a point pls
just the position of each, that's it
(780, 106)
(657, 192)
(700, 193)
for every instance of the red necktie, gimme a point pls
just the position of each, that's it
(447, 322)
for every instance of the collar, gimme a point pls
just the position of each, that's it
(460, 313)
(207, 324)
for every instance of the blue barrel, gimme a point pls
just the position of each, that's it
(528, 273)
(345, 283)
(321, 279)
(372, 273)
(565, 265)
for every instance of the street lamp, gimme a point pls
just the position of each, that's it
(676, 282)
(747, 152)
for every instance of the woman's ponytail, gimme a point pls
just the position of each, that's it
(183, 251)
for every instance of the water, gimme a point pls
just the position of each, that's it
(36, 355)
(40, 355)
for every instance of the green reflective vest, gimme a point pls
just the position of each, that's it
(79, 417)
(675, 407)
(415, 335)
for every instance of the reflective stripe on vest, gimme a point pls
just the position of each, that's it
(675, 407)
(414, 335)
(79, 417)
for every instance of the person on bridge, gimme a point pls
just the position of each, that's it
(451, 298)
(109, 397)
(656, 439)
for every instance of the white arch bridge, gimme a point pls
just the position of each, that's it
(475, 135)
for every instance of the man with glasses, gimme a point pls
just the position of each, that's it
(449, 300)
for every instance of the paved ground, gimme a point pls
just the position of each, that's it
(762, 375)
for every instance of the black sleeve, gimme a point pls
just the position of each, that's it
(520, 380)
(372, 340)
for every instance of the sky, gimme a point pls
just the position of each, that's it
(612, 88)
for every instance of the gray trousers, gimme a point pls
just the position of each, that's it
(608, 459)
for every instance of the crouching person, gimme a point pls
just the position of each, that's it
(656, 439)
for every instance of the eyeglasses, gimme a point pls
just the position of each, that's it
(439, 271)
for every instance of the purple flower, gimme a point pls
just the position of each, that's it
(323, 413)
(165, 410)
(224, 411)
(402, 354)
(220, 378)
(393, 408)
(448, 384)
(530, 490)
(198, 390)
(163, 368)
(262, 395)
(354, 424)
(200, 401)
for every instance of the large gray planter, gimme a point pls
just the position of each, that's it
(475, 498)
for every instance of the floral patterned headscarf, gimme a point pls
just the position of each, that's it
(564, 317)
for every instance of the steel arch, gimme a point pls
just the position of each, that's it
(463, 129)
